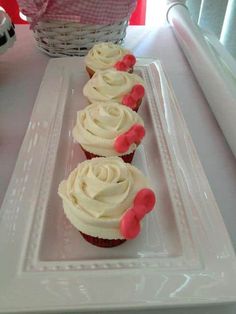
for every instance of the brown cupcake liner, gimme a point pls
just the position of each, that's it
(127, 158)
(137, 105)
(90, 72)
(100, 242)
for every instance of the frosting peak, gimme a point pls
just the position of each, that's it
(99, 124)
(111, 85)
(104, 55)
(98, 192)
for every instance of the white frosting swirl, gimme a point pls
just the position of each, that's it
(98, 192)
(99, 124)
(110, 85)
(104, 55)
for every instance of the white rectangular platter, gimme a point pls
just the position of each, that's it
(183, 256)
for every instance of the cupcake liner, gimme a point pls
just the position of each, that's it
(90, 72)
(127, 158)
(137, 105)
(106, 243)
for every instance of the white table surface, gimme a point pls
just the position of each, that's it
(22, 68)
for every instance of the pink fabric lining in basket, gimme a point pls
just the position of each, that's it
(82, 11)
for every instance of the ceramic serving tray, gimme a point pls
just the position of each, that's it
(183, 255)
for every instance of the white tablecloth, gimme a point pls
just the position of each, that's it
(21, 71)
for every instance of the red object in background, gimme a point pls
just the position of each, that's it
(139, 15)
(12, 9)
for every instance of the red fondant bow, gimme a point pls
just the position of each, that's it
(126, 63)
(134, 135)
(130, 223)
(137, 92)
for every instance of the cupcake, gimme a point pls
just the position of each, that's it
(108, 55)
(106, 200)
(111, 85)
(108, 129)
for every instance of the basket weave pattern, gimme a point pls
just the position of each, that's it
(72, 27)
(59, 38)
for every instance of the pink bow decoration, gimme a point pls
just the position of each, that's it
(143, 203)
(137, 93)
(126, 63)
(134, 135)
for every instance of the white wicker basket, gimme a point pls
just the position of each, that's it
(59, 38)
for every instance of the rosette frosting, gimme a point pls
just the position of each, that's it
(110, 85)
(104, 55)
(98, 192)
(99, 124)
